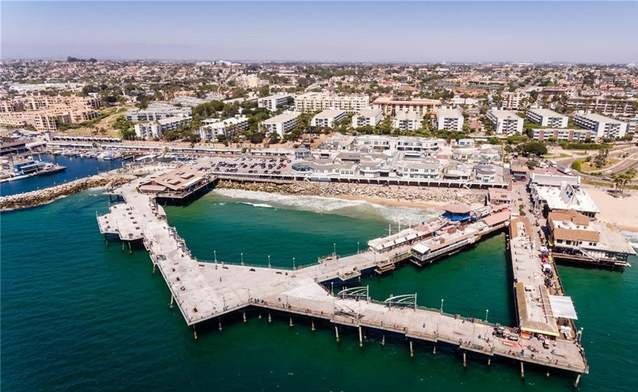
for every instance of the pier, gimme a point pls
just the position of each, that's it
(207, 290)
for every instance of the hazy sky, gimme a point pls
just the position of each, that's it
(354, 31)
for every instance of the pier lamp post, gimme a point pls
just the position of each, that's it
(215, 256)
(241, 257)
(269, 262)
(293, 263)
(442, 300)
(487, 311)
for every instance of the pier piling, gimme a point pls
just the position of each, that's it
(243, 316)
(194, 333)
(411, 350)
(383, 340)
(172, 300)
(577, 381)
(465, 359)
(219, 325)
(290, 324)
(312, 325)
(337, 333)
(360, 337)
(489, 362)
(522, 371)
(434, 350)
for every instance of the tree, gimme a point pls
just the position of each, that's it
(533, 147)
(622, 179)
(600, 160)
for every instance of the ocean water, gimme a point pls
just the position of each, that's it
(79, 315)
(75, 168)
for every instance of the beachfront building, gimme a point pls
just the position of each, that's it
(328, 118)
(392, 107)
(274, 102)
(449, 120)
(156, 129)
(560, 193)
(316, 101)
(419, 145)
(157, 111)
(212, 128)
(46, 113)
(547, 118)
(505, 121)
(407, 121)
(367, 117)
(425, 169)
(561, 134)
(280, 124)
(574, 236)
(601, 126)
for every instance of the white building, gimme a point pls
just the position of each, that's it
(212, 128)
(505, 121)
(561, 134)
(513, 100)
(157, 111)
(328, 118)
(407, 121)
(391, 106)
(273, 102)
(547, 118)
(449, 120)
(601, 126)
(155, 129)
(316, 101)
(418, 144)
(280, 124)
(367, 117)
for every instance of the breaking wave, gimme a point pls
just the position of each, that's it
(328, 205)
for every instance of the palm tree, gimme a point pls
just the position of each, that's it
(622, 179)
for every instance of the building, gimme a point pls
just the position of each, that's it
(421, 145)
(212, 129)
(407, 121)
(616, 107)
(449, 120)
(560, 192)
(392, 107)
(328, 118)
(280, 124)
(273, 102)
(505, 121)
(156, 129)
(46, 113)
(316, 101)
(513, 100)
(561, 134)
(601, 126)
(367, 117)
(157, 111)
(547, 118)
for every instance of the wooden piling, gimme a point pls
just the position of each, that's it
(243, 316)
(522, 371)
(269, 318)
(172, 300)
(411, 350)
(383, 340)
(360, 337)
(337, 333)
(434, 349)
(219, 325)
(577, 381)
(464, 359)
(290, 324)
(312, 325)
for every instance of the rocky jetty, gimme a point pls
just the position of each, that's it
(44, 196)
(362, 191)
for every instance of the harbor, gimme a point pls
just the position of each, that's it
(208, 290)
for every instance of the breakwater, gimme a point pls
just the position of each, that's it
(391, 194)
(47, 195)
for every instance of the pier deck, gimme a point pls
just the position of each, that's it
(206, 290)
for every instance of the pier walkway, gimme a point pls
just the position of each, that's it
(207, 290)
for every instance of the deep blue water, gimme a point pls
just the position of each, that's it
(75, 168)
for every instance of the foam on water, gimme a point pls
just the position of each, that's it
(328, 205)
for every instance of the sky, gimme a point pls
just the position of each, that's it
(603, 32)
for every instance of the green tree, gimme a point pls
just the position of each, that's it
(533, 147)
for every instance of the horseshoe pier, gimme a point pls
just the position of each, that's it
(206, 290)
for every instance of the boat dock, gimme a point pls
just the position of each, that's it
(207, 290)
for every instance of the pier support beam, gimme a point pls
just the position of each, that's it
(383, 340)
(434, 349)
(194, 333)
(411, 350)
(337, 333)
(129, 247)
(464, 359)
(269, 318)
(577, 381)
(489, 362)
(172, 300)
(360, 337)
(219, 325)
(243, 316)
(312, 325)
(522, 371)
(290, 324)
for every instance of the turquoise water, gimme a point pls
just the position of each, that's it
(77, 315)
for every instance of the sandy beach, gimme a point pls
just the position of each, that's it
(620, 212)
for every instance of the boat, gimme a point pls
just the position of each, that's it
(30, 167)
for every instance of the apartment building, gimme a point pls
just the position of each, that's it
(513, 100)
(449, 120)
(367, 117)
(280, 124)
(156, 129)
(406, 121)
(273, 102)
(328, 118)
(213, 128)
(505, 121)
(561, 134)
(601, 126)
(547, 118)
(157, 111)
(45, 113)
(391, 107)
(616, 107)
(316, 101)
(418, 144)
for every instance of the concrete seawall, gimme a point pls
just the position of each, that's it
(47, 195)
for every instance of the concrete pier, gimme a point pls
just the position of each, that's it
(205, 290)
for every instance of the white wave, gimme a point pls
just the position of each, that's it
(329, 205)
